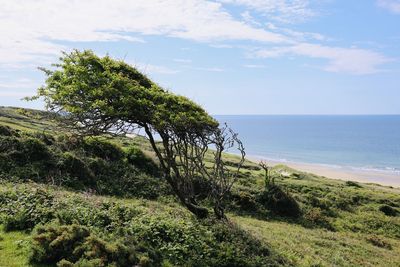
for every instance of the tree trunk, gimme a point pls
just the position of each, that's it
(219, 211)
(198, 211)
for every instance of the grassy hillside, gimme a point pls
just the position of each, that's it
(92, 201)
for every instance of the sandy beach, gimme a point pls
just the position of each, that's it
(386, 178)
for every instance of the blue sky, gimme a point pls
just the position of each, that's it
(231, 56)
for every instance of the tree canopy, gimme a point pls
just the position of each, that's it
(101, 94)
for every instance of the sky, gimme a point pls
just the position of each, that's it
(230, 56)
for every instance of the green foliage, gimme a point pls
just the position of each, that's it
(96, 147)
(378, 242)
(22, 210)
(89, 163)
(102, 93)
(87, 231)
(351, 183)
(280, 202)
(244, 200)
(388, 210)
(6, 131)
(316, 216)
(136, 157)
(75, 245)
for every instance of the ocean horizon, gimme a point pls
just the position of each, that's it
(355, 142)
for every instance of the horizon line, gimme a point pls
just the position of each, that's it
(305, 114)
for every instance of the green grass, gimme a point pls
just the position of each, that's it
(13, 248)
(319, 247)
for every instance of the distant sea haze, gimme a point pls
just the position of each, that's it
(370, 142)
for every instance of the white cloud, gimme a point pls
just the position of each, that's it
(391, 5)
(29, 29)
(348, 60)
(247, 17)
(32, 31)
(299, 36)
(280, 10)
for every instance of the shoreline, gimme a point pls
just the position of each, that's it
(385, 178)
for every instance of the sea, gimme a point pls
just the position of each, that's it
(367, 142)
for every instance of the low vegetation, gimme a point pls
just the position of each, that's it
(125, 210)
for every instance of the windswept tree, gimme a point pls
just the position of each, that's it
(98, 95)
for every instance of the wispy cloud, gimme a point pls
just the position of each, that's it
(391, 5)
(348, 60)
(33, 30)
(297, 35)
(279, 10)
(247, 17)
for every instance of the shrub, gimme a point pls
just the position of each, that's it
(34, 150)
(299, 176)
(103, 149)
(245, 201)
(25, 209)
(236, 247)
(316, 217)
(76, 170)
(7, 131)
(354, 184)
(194, 243)
(136, 157)
(378, 242)
(91, 163)
(280, 202)
(75, 245)
(388, 210)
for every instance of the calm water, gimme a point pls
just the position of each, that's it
(368, 142)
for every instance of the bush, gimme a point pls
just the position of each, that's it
(354, 184)
(378, 242)
(7, 131)
(76, 171)
(136, 157)
(388, 210)
(103, 149)
(24, 209)
(83, 230)
(74, 244)
(236, 247)
(207, 243)
(245, 201)
(280, 202)
(90, 163)
(316, 217)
